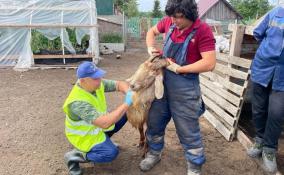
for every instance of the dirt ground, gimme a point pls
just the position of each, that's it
(32, 140)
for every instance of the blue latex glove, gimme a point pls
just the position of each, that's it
(128, 98)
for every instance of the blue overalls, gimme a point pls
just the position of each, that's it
(268, 80)
(181, 101)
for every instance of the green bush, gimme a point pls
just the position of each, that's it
(111, 38)
(72, 38)
(40, 42)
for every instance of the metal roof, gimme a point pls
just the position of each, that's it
(205, 5)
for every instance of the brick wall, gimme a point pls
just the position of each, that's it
(110, 24)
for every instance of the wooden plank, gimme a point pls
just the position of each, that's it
(62, 56)
(241, 105)
(15, 57)
(237, 39)
(218, 125)
(6, 67)
(243, 139)
(220, 101)
(9, 57)
(231, 27)
(223, 93)
(242, 62)
(249, 30)
(47, 26)
(231, 72)
(219, 111)
(35, 8)
(239, 90)
(44, 67)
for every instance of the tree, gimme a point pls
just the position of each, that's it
(132, 8)
(157, 13)
(121, 4)
(129, 7)
(251, 9)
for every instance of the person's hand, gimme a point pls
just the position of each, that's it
(128, 98)
(152, 51)
(172, 66)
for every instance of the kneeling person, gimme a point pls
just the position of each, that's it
(88, 126)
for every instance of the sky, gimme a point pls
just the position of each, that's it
(147, 5)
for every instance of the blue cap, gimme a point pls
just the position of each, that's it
(89, 69)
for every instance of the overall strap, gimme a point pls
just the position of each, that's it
(187, 41)
(169, 33)
(182, 59)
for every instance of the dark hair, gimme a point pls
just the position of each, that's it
(187, 7)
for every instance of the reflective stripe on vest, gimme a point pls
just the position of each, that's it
(81, 134)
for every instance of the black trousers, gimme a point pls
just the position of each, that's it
(267, 114)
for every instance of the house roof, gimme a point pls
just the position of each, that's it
(205, 5)
(117, 19)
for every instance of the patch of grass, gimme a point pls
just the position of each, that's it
(111, 38)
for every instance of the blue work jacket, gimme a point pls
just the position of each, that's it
(268, 63)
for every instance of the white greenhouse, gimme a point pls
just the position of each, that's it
(51, 18)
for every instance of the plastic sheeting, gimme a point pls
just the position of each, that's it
(222, 44)
(19, 15)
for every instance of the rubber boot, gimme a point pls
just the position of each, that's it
(255, 150)
(72, 160)
(193, 169)
(269, 161)
(151, 159)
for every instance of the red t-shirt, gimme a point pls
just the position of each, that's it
(202, 41)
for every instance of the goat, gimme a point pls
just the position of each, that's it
(146, 83)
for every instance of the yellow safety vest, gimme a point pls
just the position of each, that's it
(81, 134)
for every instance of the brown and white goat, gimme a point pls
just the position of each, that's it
(147, 84)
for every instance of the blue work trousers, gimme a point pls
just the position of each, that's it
(106, 151)
(182, 102)
(267, 115)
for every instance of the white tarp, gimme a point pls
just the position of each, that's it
(18, 15)
(222, 44)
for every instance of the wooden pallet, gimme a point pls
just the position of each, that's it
(223, 92)
(224, 89)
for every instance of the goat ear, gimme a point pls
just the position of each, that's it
(153, 58)
(159, 86)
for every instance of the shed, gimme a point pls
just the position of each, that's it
(218, 10)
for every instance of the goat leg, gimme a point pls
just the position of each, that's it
(142, 136)
(145, 147)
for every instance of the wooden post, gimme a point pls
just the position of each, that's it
(237, 39)
(235, 50)
(62, 38)
(31, 19)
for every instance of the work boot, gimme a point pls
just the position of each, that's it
(151, 159)
(255, 150)
(269, 162)
(72, 160)
(193, 169)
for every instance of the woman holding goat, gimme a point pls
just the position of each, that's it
(189, 47)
